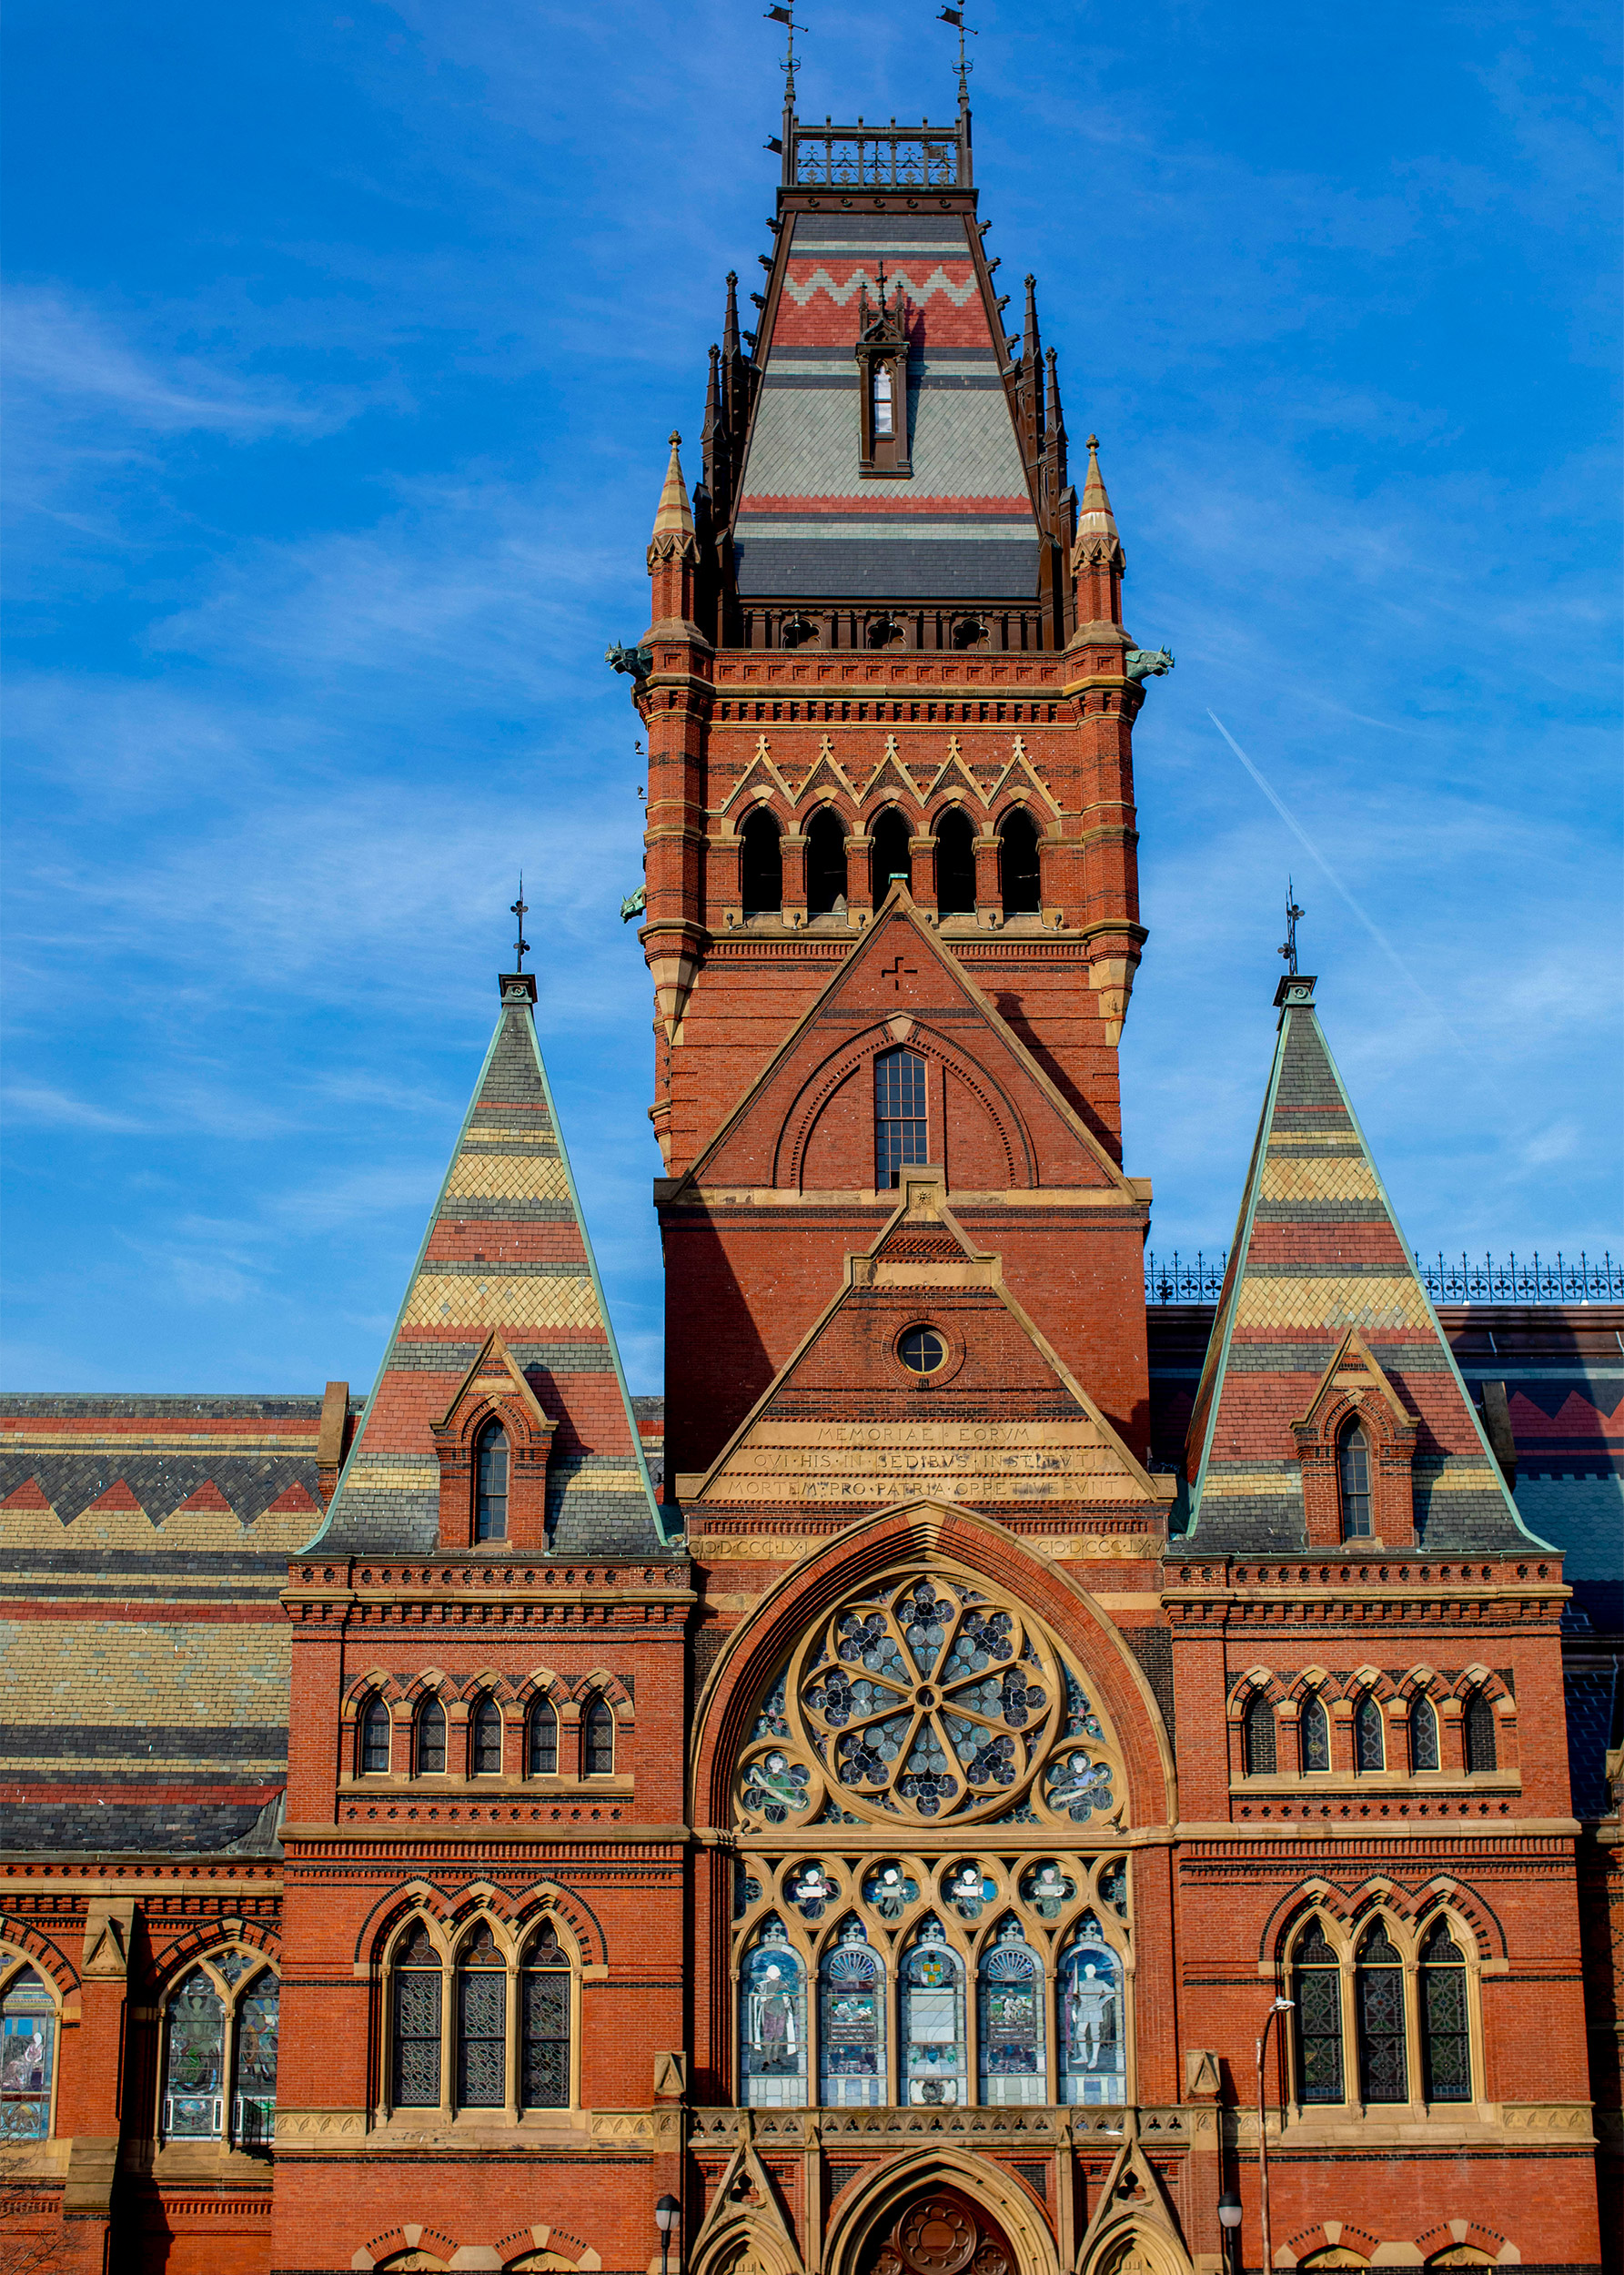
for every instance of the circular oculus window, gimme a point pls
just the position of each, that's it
(922, 1349)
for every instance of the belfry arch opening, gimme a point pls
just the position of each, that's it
(825, 864)
(890, 857)
(1018, 874)
(956, 864)
(762, 865)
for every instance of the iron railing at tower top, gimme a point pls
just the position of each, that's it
(864, 157)
(1173, 1277)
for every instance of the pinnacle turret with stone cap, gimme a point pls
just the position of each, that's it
(674, 556)
(1097, 562)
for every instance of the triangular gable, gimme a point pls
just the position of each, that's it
(1318, 1251)
(951, 775)
(1009, 1426)
(496, 1373)
(505, 1268)
(1019, 769)
(755, 1144)
(888, 778)
(761, 774)
(828, 778)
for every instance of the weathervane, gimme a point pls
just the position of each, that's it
(955, 16)
(785, 17)
(1289, 948)
(522, 946)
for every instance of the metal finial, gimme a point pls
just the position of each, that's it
(786, 17)
(522, 947)
(880, 280)
(955, 16)
(1290, 947)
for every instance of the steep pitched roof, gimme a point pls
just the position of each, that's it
(506, 1250)
(808, 524)
(1317, 1250)
(1006, 1427)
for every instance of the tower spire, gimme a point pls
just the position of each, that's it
(1096, 557)
(673, 551)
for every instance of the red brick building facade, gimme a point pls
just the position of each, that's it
(887, 1822)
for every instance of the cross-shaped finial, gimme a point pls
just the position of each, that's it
(880, 279)
(520, 908)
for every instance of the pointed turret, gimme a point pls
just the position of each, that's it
(503, 1319)
(673, 555)
(1323, 1330)
(1096, 557)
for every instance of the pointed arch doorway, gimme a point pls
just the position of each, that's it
(939, 2231)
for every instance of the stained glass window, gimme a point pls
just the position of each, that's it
(481, 2024)
(1316, 1738)
(543, 1753)
(375, 1739)
(933, 2020)
(1383, 2074)
(193, 2089)
(1353, 1473)
(969, 1890)
(598, 1739)
(544, 2024)
(431, 1739)
(1369, 1737)
(254, 2083)
(1259, 1736)
(1316, 1986)
(487, 1739)
(490, 1484)
(1445, 2035)
(417, 2021)
(1049, 1890)
(883, 400)
(851, 2022)
(1010, 2017)
(1422, 1734)
(899, 1114)
(27, 2048)
(1479, 1732)
(1092, 2063)
(773, 2023)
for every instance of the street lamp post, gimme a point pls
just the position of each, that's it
(1280, 2007)
(1229, 2219)
(667, 2213)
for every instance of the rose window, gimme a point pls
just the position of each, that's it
(924, 1698)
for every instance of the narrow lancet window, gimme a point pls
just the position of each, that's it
(1259, 1736)
(762, 865)
(490, 1492)
(900, 1122)
(1316, 1988)
(956, 864)
(1480, 1753)
(1092, 2045)
(932, 2021)
(1422, 1734)
(253, 2084)
(772, 2022)
(481, 2024)
(1011, 2020)
(598, 1739)
(1445, 2032)
(375, 1739)
(27, 2048)
(1315, 1739)
(417, 2022)
(431, 1739)
(1018, 873)
(1353, 1473)
(884, 401)
(825, 864)
(851, 2023)
(1379, 1986)
(543, 1759)
(544, 2024)
(1369, 1736)
(487, 1739)
(195, 2061)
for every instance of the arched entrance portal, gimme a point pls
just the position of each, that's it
(938, 2232)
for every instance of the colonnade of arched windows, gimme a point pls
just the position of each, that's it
(483, 2021)
(426, 1742)
(1381, 2016)
(1372, 1739)
(891, 857)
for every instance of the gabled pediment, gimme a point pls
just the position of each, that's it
(1000, 1120)
(986, 1414)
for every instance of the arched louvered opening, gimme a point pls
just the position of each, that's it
(825, 864)
(762, 865)
(1018, 876)
(956, 864)
(889, 859)
(1259, 1735)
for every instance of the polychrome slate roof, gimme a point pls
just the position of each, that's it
(507, 1250)
(809, 525)
(1317, 1250)
(144, 1546)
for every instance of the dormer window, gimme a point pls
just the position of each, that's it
(882, 384)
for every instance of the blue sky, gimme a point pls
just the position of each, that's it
(343, 345)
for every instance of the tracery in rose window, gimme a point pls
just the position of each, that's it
(924, 1698)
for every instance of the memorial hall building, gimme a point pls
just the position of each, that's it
(1012, 1766)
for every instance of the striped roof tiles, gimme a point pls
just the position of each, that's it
(1318, 1251)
